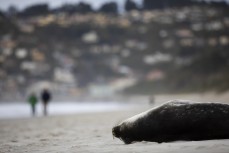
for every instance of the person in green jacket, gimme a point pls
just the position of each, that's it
(33, 101)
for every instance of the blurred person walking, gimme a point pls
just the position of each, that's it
(32, 99)
(45, 97)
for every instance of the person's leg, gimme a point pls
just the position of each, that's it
(45, 108)
(33, 110)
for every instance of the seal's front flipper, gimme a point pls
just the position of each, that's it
(127, 140)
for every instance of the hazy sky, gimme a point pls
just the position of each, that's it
(4, 4)
(20, 4)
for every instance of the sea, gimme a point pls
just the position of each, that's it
(23, 110)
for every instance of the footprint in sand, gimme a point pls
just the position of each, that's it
(14, 141)
(56, 134)
(200, 147)
(44, 139)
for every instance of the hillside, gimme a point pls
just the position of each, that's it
(168, 50)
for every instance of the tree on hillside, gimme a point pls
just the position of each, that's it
(159, 4)
(219, 4)
(130, 5)
(12, 11)
(111, 7)
(84, 8)
(6, 25)
(2, 14)
(35, 10)
(72, 8)
(67, 8)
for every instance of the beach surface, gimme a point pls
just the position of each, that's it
(90, 132)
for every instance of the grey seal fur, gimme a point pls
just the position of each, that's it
(176, 120)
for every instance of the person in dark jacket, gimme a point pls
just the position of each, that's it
(45, 97)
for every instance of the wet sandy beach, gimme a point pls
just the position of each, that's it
(84, 133)
(91, 133)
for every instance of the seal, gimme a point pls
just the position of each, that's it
(176, 120)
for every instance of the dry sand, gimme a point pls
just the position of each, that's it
(90, 133)
(86, 133)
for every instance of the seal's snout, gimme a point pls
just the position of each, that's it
(116, 131)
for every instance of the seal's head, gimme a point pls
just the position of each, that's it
(116, 131)
(120, 132)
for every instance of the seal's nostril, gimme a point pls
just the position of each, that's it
(115, 131)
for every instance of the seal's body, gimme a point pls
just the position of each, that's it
(176, 120)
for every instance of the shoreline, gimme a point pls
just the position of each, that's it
(22, 110)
